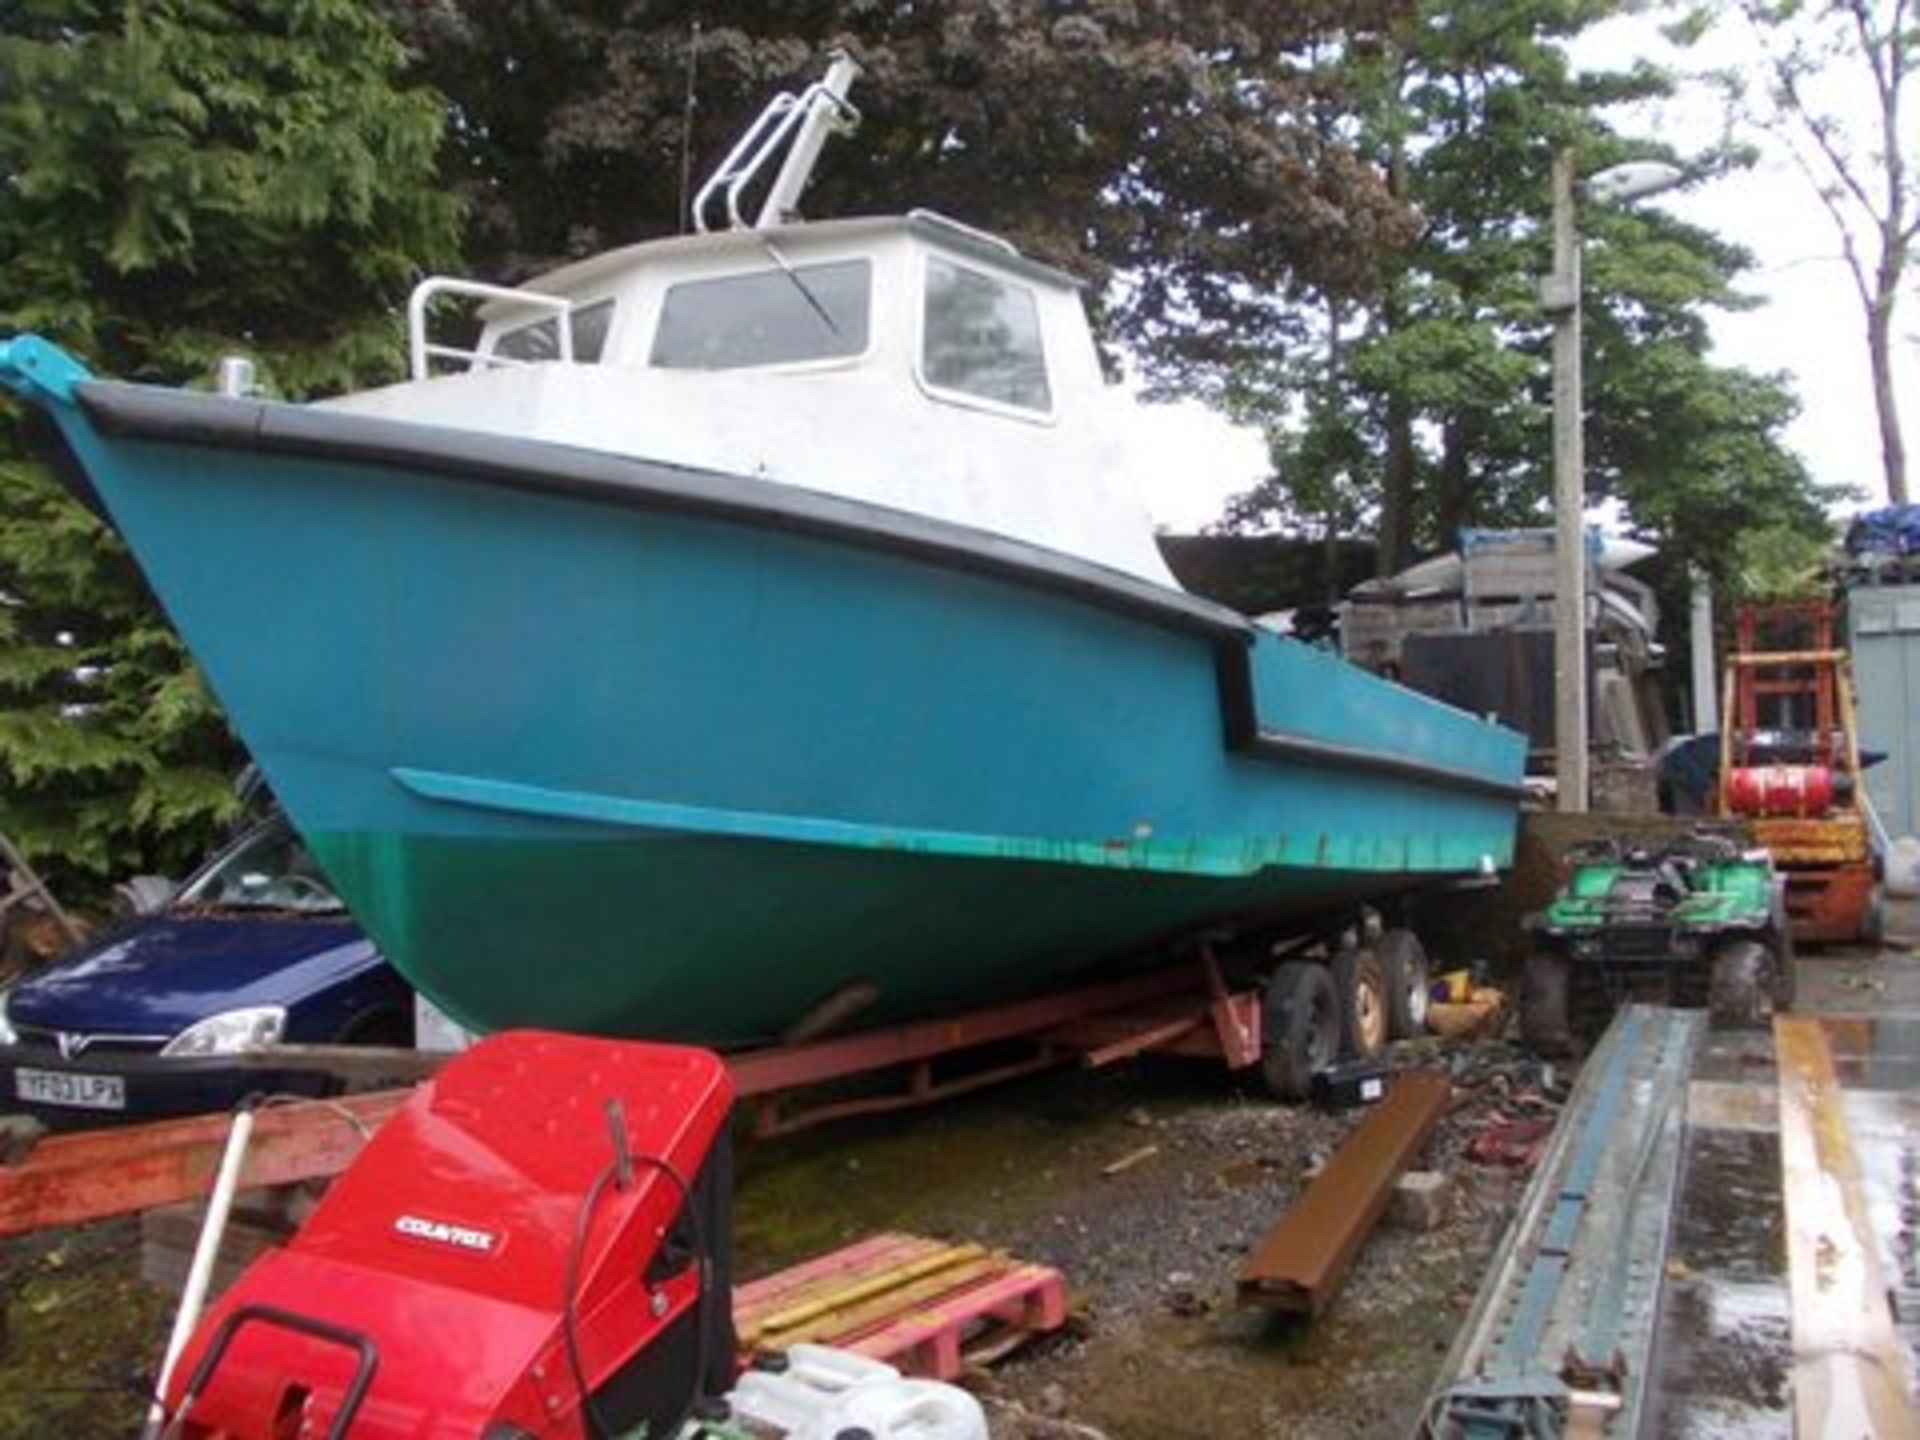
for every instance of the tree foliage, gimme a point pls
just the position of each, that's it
(1171, 144)
(179, 179)
(1430, 408)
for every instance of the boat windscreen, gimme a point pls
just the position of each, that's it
(981, 338)
(540, 340)
(775, 316)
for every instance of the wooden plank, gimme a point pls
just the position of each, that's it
(847, 1317)
(1849, 1367)
(757, 1297)
(909, 1301)
(68, 1179)
(945, 1263)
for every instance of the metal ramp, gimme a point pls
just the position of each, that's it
(1558, 1340)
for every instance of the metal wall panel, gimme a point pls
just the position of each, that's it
(1883, 626)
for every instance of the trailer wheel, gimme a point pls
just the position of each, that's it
(1365, 1000)
(1741, 993)
(1302, 1028)
(1408, 977)
(1545, 1023)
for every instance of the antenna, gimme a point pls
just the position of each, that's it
(686, 125)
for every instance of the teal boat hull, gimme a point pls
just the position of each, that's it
(609, 746)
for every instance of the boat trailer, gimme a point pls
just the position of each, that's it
(1187, 1009)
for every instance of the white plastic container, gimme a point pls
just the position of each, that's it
(1903, 868)
(825, 1393)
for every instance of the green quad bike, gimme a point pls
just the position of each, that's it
(1700, 920)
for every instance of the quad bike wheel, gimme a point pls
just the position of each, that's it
(1741, 993)
(1301, 1030)
(1408, 977)
(1780, 945)
(1546, 1025)
(1365, 999)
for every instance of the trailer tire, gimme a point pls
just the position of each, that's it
(1408, 976)
(1365, 999)
(1741, 993)
(1546, 1026)
(1301, 1028)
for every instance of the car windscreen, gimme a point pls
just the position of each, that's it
(267, 870)
(777, 316)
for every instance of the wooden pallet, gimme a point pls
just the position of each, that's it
(924, 1306)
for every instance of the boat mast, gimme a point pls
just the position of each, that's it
(806, 120)
(824, 104)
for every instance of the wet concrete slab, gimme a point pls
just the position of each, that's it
(1724, 1346)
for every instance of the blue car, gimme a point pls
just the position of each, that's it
(163, 1015)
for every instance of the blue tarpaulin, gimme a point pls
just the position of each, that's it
(1893, 530)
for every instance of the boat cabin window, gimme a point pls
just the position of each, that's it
(540, 339)
(770, 317)
(981, 337)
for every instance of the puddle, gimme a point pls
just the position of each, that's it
(1735, 1057)
(1875, 1054)
(1724, 1345)
(1732, 1221)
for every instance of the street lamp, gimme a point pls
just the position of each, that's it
(1560, 299)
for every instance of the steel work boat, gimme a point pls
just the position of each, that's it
(754, 619)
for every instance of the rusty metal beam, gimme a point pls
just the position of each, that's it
(1300, 1265)
(1849, 1366)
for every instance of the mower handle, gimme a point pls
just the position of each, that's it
(229, 1326)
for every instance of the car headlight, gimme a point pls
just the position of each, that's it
(231, 1032)
(8, 1036)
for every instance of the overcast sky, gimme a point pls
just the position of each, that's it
(1809, 325)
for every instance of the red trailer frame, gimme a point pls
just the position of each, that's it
(1184, 1009)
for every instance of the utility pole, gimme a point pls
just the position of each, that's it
(1560, 300)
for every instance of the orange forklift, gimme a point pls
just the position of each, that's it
(1790, 768)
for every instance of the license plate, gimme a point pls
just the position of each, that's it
(63, 1087)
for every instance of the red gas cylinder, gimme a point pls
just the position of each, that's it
(1802, 790)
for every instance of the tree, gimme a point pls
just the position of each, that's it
(1836, 96)
(1168, 145)
(1433, 404)
(183, 179)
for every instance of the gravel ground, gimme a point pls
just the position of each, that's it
(1157, 1347)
